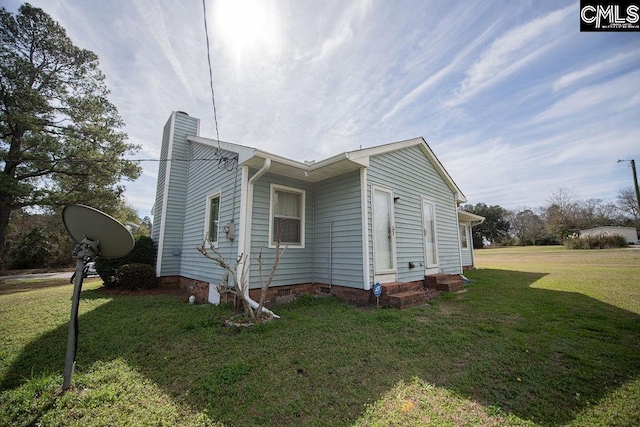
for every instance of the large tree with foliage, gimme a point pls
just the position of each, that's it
(562, 213)
(61, 139)
(495, 226)
(628, 205)
(526, 226)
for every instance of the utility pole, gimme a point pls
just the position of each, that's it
(635, 180)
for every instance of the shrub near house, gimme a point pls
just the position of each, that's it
(143, 253)
(136, 276)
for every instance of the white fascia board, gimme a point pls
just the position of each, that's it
(382, 149)
(280, 159)
(309, 168)
(460, 197)
(469, 217)
(359, 157)
(361, 161)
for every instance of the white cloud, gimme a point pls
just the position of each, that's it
(509, 53)
(613, 92)
(435, 78)
(342, 33)
(607, 66)
(153, 16)
(330, 76)
(150, 174)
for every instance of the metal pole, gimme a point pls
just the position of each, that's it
(635, 182)
(330, 255)
(72, 338)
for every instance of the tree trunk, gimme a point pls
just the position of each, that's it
(11, 163)
(5, 213)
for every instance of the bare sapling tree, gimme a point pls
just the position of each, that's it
(239, 284)
(264, 284)
(238, 273)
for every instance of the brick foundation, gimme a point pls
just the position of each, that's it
(444, 282)
(194, 287)
(275, 294)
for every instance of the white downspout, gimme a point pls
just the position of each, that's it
(455, 205)
(247, 233)
(365, 229)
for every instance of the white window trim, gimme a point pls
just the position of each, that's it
(465, 227)
(303, 202)
(207, 212)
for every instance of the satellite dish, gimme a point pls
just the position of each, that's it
(96, 234)
(114, 240)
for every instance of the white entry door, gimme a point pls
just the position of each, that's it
(384, 242)
(429, 236)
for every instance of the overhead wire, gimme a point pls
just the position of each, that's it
(224, 162)
(213, 96)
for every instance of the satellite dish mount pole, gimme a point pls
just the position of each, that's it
(96, 234)
(87, 249)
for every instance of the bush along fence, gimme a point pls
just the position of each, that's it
(599, 241)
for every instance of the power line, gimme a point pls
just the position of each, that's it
(213, 96)
(225, 162)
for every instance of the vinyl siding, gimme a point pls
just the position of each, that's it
(206, 178)
(176, 195)
(337, 203)
(162, 171)
(412, 177)
(296, 266)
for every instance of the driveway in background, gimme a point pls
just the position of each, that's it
(63, 275)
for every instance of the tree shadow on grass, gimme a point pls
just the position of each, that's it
(14, 286)
(542, 355)
(27, 284)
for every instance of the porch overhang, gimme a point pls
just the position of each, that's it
(470, 218)
(307, 171)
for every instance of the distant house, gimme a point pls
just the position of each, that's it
(628, 233)
(386, 214)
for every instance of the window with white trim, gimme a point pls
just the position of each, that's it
(464, 236)
(286, 216)
(212, 217)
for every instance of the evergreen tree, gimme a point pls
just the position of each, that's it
(61, 139)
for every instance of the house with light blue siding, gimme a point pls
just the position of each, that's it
(466, 221)
(387, 214)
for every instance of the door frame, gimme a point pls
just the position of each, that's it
(384, 275)
(428, 267)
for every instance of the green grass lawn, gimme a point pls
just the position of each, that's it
(543, 336)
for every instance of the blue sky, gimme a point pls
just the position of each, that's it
(514, 100)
